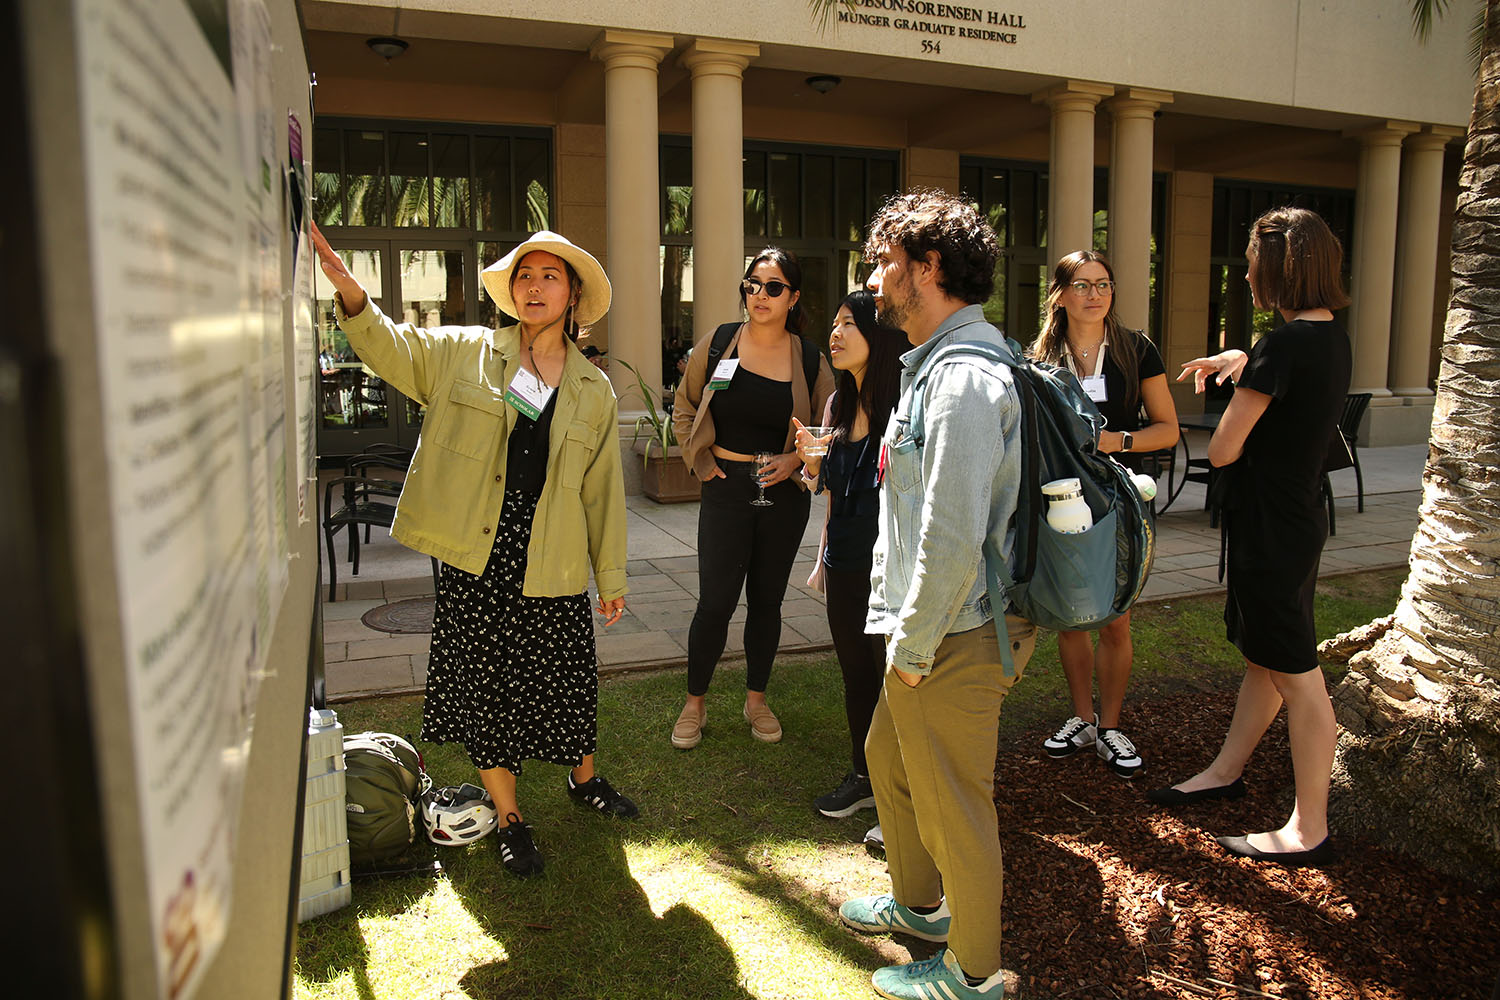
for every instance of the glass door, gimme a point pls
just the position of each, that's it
(354, 405)
(435, 287)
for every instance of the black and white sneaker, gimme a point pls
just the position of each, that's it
(596, 793)
(1074, 736)
(1119, 753)
(517, 850)
(852, 795)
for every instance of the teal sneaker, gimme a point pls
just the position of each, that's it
(936, 978)
(882, 914)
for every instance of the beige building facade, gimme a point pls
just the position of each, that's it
(674, 139)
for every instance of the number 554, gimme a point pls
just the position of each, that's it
(928, 45)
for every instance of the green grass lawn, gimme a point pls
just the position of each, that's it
(727, 886)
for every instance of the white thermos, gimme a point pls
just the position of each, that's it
(1067, 512)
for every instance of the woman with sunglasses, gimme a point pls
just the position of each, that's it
(1121, 370)
(765, 376)
(867, 357)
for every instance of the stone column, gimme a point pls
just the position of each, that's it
(1416, 257)
(1070, 194)
(718, 178)
(1374, 253)
(632, 184)
(1130, 162)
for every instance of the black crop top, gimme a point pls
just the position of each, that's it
(526, 451)
(753, 414)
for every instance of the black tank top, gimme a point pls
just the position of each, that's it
(753, 414)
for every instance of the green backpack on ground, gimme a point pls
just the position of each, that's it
(383, 778)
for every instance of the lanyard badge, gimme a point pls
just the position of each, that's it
(528, 394)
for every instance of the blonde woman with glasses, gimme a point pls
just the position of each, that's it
(1122, 372)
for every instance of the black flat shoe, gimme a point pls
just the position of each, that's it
(1172, 797)
(1240, 847)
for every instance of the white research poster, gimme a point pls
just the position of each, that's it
(170, 251)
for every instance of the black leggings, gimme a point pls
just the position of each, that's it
(741, 546)
(861, 656)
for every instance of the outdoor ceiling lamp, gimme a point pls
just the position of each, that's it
(386, 46)
(823, 84)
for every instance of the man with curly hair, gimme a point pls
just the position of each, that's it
(947, 487)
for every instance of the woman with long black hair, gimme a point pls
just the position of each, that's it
(867, 356)
(725, 417)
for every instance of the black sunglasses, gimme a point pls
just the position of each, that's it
(774, 288)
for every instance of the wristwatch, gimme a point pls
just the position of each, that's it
(1126, 440)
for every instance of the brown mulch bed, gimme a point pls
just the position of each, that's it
(1107, 896)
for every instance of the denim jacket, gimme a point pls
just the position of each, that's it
(940, 501)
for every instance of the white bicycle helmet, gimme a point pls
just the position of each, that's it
(458, 814)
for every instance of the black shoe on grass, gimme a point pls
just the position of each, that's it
(596, 793)
(517, 850)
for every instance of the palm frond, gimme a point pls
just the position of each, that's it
(822, 11)
(1423, 13)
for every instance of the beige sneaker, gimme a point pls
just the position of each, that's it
(688, 732)
(764, 725)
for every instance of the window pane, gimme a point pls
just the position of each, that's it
(969, 184)
(532, 174)
(814, 301)
(676, 310)
(850, 218)
(996, 211)
(855, 271)
(450, 186)
(492, 182)
(409, 180)
(882, 186)
(1023, 208)
(489, 315)
(677, 178)
(328, 197)
(364, 174)
(785, 195)
(350, 396)
(818, 198)
(755, 194)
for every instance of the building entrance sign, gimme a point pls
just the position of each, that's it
(936, 21)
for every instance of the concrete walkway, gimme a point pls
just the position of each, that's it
(663, 577)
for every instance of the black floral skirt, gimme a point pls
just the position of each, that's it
(512, 678)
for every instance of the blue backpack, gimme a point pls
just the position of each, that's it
(1057, 581)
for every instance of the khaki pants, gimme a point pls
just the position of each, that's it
(932, 764)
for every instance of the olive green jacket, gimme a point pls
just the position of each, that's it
(450, 504)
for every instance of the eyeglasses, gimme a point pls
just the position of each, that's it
(773, 288)
(1083, 287)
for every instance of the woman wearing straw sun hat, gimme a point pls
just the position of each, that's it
(516, 486)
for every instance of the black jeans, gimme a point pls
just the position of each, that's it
(861, 656)
(742, 546)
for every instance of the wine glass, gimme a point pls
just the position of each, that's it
(763, 460)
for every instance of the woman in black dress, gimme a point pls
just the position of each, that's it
(1272, 443)
(867, 356)
(516, 486)
(1122, 372)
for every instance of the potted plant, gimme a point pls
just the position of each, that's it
(664, 477)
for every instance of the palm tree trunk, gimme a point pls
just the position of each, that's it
(1418, 765)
